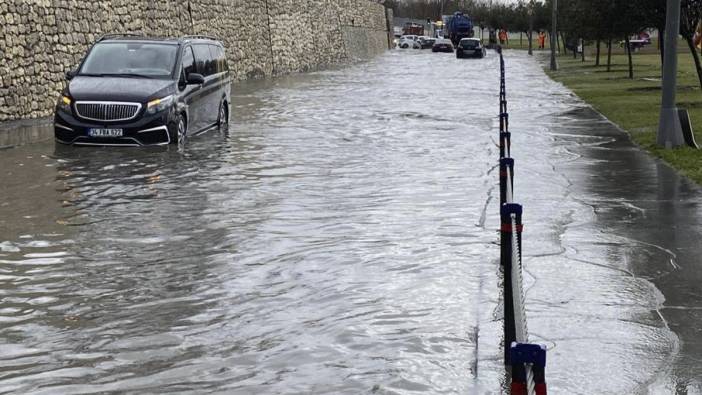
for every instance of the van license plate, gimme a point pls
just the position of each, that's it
(93, 132)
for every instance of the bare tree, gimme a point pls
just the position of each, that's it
(690, 16)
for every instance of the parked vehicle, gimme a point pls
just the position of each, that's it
(636, 42)
(470, 48)
(410, 41)
(442, 45)
(411, 28)
(134, 90)
(458, 26)
(426, 42)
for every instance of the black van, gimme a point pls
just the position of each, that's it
(134, 90)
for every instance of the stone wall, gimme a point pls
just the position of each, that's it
(41, 39)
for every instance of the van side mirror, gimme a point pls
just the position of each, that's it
(70, 74)
(195, 79)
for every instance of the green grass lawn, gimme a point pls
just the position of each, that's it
(634, 105)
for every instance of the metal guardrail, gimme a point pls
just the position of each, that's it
(526, 361)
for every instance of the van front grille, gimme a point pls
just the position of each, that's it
(107, 111)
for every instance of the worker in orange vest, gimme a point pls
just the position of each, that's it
(503, 37)
(542, 39)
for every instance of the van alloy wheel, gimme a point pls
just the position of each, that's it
(182, 131)
(222, 119)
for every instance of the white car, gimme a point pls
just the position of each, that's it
(409, 41)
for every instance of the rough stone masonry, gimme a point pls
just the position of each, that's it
(42, 39)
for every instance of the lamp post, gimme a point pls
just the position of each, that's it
(554, 32)
(669, 128)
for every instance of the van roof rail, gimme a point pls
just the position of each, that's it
(199, 36)
(113, 35)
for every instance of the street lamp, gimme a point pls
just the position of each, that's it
(669, 128)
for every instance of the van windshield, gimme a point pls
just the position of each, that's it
(132, 59)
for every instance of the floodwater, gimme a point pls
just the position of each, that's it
(341, 239)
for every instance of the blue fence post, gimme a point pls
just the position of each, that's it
(505, 144)
(506, 254)
(506, 164)
(504, 121)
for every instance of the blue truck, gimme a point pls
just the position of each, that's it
(458, 26)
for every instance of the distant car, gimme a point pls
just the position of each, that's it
(426, 42)
(442, 45)
(470, 48)
(409, 41)
(635, 43)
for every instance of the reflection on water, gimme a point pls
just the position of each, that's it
(340, 239)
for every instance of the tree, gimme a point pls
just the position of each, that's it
(690, 16)
(519, 19)
(622, 18)
(653, 15)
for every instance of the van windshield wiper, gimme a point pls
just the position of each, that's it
(126, 75)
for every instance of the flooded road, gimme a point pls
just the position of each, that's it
(341, 239)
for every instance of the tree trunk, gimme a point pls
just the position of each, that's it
(530, 34)
(575, 50)
(609, 55)
(696, 57)
(582, 47)
(520, 39)
(599, 50)
(631, 60)
(660, 39)
(661, 46)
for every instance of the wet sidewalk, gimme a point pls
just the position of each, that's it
(613, 244)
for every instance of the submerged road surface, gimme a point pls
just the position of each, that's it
(341, 239)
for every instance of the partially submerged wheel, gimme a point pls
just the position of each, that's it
(223, 117)
(182, 131)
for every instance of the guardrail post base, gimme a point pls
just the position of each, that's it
(528, 354)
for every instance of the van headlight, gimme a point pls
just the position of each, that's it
(159, 105)
(64, 103)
